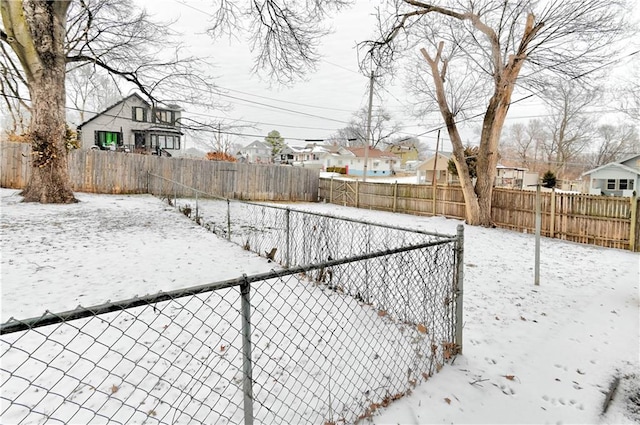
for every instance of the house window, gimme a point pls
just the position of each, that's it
(107, 139)
(164, 116)
(139, 114)
(165, 141)
(611, 184)
(623, 184)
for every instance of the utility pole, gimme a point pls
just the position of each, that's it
(367, 141)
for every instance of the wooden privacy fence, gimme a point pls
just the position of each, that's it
(606, 221)
(117, 172)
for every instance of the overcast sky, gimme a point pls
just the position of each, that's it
(319, 106)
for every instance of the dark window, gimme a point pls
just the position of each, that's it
(163, 116)
(139, 114)
(623, 184)
(611, 184)
(165, 141)
(108, 139)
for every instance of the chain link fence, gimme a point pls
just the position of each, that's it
(358, 316)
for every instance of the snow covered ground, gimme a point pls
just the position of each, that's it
(531, 354)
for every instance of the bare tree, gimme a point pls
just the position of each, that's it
(476, 52)
(517, 145)
(383, 129)
(613, 143)
(524, 143)
(284, 34)
(12, 86)
(570, 126)
(627, 94)
(90, 89)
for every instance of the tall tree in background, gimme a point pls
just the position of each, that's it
(570, 126)
(613, 142)
(475, 52)
(11, 82)
(275, 140)
(90, 89)
(523, 142)
(383, 129)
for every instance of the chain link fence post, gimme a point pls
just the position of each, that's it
(287, 236)
(228, 219)
(459, 284)
(247, 381)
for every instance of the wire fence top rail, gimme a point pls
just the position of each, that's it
(280, 207)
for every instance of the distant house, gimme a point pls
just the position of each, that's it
(425, 170)
(406, 152)
(322, 157)
(256, 152)
(134, 125)
(287, 155)
(510, 177)
(615, 178)
(379, 163)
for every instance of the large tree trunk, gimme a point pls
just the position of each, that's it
(478, 199)
(35, 31)
(471, 204)
(49, 182)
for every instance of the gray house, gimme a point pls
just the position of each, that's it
(615, 178)
(134, 125)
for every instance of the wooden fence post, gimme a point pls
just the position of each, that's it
(395, 196)
(552, 223)
(357, 193)
(632, 224)
(331, 191)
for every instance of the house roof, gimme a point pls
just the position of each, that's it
(257, 144)
(635, 155)
(373, 153)
(613, 165)
(163, 129)
(507, 167)
(134, 95)
(441, 155)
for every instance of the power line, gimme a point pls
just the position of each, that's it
(203, 128)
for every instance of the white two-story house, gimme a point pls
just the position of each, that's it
(134, 125)
(256, 152)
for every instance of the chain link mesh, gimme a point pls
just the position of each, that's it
(361, 314)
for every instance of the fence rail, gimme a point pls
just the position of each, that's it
(607, 221)
(116, 172)
(360, 315)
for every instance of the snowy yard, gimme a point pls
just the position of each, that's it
(531, 354)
